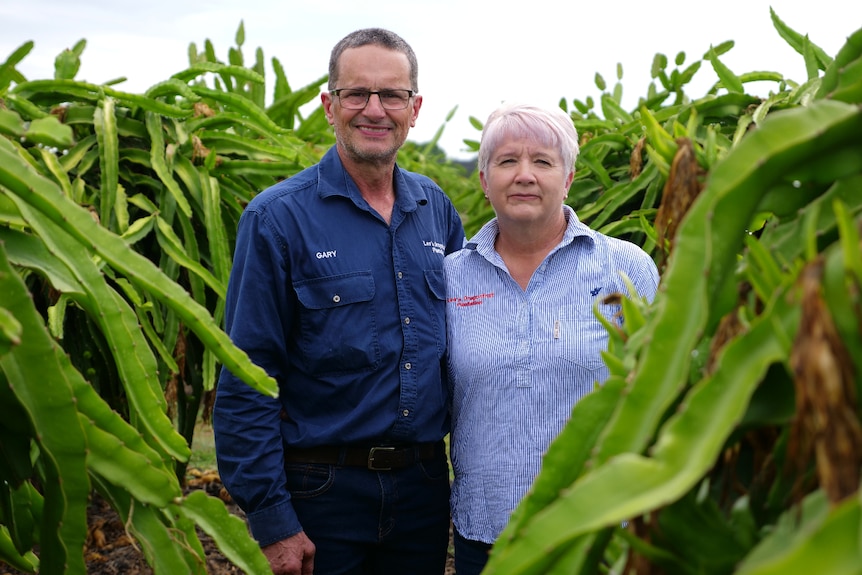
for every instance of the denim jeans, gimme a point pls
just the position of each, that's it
(470, 556)
(374, 522)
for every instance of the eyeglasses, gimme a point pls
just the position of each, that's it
(356, 99)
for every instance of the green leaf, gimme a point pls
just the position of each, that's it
(105, 124)
(112, 458)
(10, 331)
(8, 72)
(68, 62)
(228, 70)
(164, 545)
(815, 539)
(240, 34)
(229, 532)
(600, 82)
(23, 183)
(51, 408)
(11, 123)
(812, 68)
(844, 71)
(159, 163)
(50, 132)
(796, 40)
(728, 79)
(172, 246)
(29, 251)
(27, 562)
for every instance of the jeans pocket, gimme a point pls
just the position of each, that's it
(435, 469)
(307, 480)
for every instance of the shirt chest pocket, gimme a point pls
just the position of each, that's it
(337, 323)
(579, 337)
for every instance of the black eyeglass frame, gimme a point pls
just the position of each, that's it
(369, 93)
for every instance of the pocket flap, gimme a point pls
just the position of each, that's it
(335, 291)
(436, 283)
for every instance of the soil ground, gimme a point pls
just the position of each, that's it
(110, 551)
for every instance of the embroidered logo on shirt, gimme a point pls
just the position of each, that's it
(595, 291)
(436, 247)
(324, 255)
(468, 300)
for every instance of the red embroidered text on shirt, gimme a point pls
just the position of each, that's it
(468, 300)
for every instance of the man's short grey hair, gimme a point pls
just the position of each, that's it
(548, 126)
(373, 37)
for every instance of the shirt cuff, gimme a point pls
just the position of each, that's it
(274, 523)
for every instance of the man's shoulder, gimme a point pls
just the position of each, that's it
(285, 190)
(420, 179)
(431, 189)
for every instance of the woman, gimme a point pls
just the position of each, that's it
(524, 344)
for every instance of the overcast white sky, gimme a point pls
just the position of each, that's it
(472, 53)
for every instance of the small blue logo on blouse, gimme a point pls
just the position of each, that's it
(595, 291)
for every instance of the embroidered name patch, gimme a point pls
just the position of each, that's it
(436, 247)
(468, 300)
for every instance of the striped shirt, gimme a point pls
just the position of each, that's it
(519, 360)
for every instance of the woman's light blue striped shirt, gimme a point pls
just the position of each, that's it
(519, 360)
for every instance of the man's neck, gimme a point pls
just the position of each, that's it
(373, 178)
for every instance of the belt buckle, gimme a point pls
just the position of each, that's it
(371, 455)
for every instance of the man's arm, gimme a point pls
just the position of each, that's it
(456, 239)
(247, 424)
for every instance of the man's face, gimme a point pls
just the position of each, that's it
(372, 134)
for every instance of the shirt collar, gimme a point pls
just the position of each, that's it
(335, 181)
(483, 241)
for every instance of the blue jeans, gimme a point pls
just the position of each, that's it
(470, 556)
(374, 522)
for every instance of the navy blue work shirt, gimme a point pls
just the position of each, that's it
(347, 314)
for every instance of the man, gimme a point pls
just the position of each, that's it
(337, 291)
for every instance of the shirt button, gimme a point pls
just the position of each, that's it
(407, 365)
(400, 275)
(407, 320)
(336, 298)
(405, 413)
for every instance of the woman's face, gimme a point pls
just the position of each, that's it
(526, 181)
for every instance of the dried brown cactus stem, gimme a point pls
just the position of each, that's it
(683, 185)
(825, 427)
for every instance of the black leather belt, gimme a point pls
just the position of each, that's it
(380, 458)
